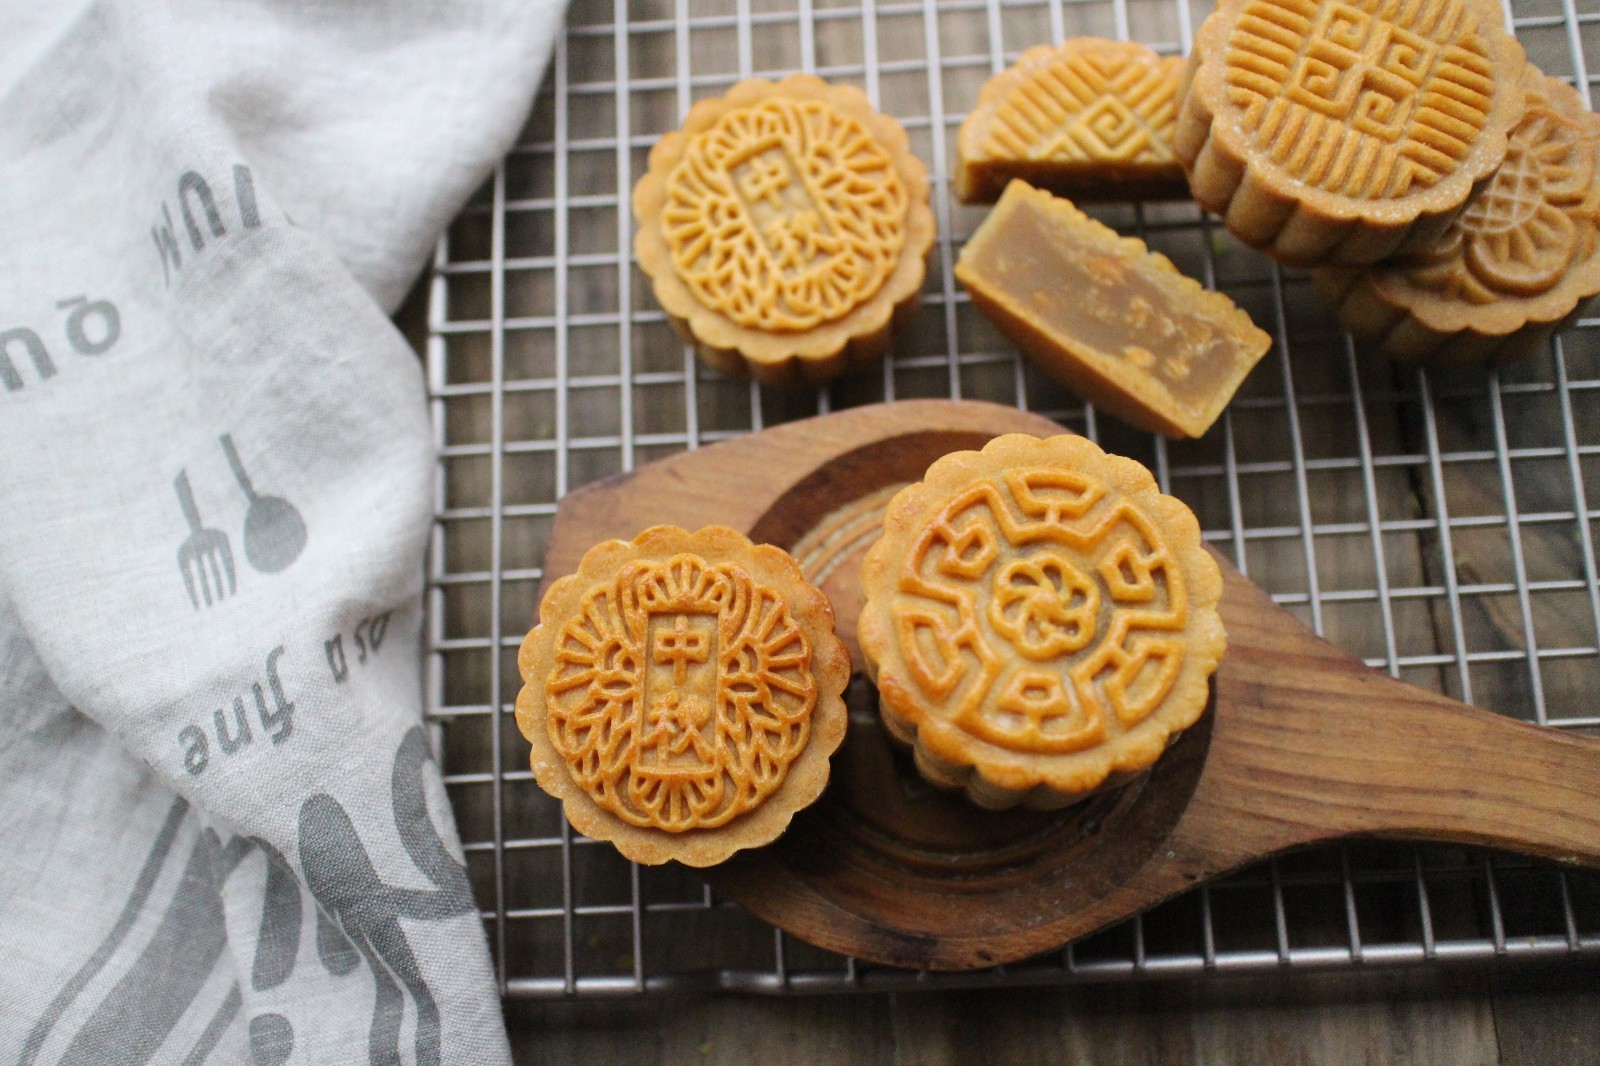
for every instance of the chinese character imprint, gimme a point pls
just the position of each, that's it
(681, 693)
(785, 215)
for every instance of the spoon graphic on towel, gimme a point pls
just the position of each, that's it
(274, 532)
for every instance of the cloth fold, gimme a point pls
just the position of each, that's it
(223, 836)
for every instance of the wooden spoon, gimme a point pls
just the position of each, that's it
(1303, 744)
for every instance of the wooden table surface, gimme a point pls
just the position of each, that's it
(1514, 1015)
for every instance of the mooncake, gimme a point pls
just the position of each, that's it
(785, 229)
(1089, 118)
(1513, 268)
(1340, 131)
(1116, 322)
(1039, 620)
(683, 694)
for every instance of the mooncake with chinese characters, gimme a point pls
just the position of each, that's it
(785, 229)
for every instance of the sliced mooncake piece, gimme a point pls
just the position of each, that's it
(1103, 314)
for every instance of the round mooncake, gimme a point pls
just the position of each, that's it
(785, 228)
(1338, 131)
(1513, 268)
(683, 694)
(1039, 620)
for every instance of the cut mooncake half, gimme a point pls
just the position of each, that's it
(1088, 118)
(1102, 313)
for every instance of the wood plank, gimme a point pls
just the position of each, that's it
(711, 1030)
(1270, 1020)
(1546, 1017)
(1330, 1019)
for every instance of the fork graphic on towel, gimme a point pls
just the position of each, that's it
(205, 558)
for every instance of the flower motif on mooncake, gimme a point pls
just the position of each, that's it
(1519, 261)
(1040, 620)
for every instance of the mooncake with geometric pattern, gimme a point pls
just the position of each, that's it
(784, 229)
(1090, 119)
(1340, 132)
(683, 694)
(1513, 268)
(1040, 621)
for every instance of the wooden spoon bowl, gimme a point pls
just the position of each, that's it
(1302, 743)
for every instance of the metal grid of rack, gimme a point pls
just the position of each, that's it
(1437, 524)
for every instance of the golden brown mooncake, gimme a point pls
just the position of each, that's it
(1091, 119)
(683, 694)
(1113, 320)
(784, 228)
(1338, 131)
(1513, 268)
(1040, 620)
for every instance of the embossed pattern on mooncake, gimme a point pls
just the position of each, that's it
(1513, 266)
(1335, 130)
(784, 229)
(1039, 620)
(785, 215)
(1089, 118)
(682, 694)
(1374, 100)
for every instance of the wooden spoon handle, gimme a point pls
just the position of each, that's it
(1304, 744)
(1310, 744)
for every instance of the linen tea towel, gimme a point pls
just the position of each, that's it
(222, 835)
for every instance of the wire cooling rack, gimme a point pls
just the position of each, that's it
(1437, 524)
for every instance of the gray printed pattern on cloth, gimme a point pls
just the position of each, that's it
(357, 919)
(222, 836)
